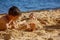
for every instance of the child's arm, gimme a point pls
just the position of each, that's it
(9, 25)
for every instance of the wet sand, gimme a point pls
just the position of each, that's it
(46, 21)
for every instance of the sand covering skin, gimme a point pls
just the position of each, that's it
(37, 28)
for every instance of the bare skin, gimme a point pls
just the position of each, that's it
(11, 19)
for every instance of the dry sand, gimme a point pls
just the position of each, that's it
(47, 23)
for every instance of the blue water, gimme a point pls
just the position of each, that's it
(28, 5)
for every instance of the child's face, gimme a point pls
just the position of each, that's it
(12, 17)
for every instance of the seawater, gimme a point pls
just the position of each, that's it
(28, 5)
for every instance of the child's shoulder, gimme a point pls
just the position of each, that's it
(3, 19)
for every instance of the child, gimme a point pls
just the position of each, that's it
(8, 19)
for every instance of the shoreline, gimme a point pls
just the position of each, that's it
(46, 9)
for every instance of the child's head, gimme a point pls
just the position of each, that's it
(14, 11)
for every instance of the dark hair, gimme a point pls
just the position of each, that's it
(14, 11)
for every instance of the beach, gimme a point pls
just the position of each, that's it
(47, 23)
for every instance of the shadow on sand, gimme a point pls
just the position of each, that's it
(53, 27)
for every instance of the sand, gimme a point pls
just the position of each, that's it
(47, 23)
